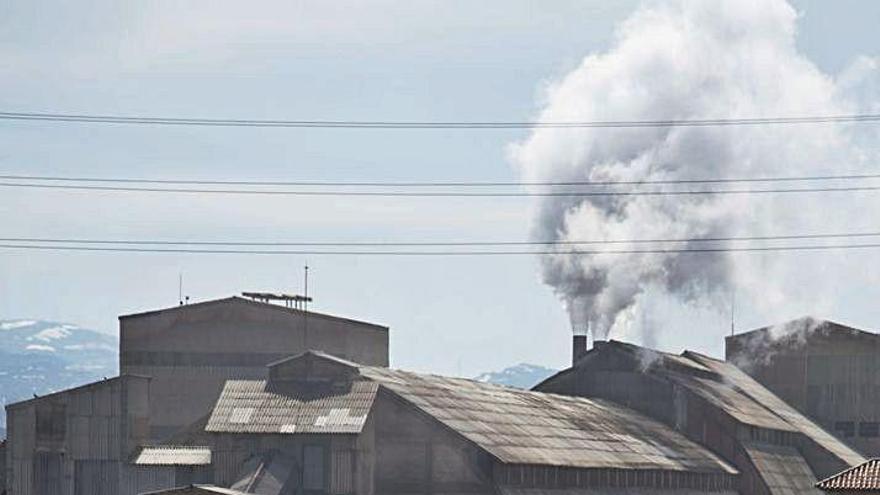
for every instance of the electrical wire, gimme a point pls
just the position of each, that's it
(381, 124)
(441, 253)
(397, 184)
(165, 242)
(278, 192)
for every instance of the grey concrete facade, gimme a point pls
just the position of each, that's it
(828, 371)
(190, 351)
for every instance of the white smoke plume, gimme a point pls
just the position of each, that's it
(680, 60)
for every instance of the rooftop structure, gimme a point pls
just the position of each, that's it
(338, 427)
(774, 447)
(826, 370)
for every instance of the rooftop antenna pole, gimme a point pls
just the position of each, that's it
(180, 289)
(305, 303)
(733, 312)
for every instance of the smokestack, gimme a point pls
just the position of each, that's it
(578, 347)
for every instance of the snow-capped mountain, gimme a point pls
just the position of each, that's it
(39, 357)
(522, 375)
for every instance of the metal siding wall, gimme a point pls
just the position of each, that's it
(135, 480)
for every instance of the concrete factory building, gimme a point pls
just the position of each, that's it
(828, 371)
(190, 351)
(774, 448)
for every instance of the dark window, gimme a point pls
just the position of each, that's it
(869, 429)
(845, 429)
(51, 422)
(313, 467)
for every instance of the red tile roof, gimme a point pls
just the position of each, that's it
(865, 476)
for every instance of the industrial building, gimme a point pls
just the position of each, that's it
(98, 439)
(775, 448)
(257, 398)
(320, 424)
(190, 350)
(828, 371)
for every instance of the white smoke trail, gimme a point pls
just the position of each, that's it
(695, 60)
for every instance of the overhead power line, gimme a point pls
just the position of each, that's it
(439, 253)
(287, 192)
(386, 124)
(166, 242)
(401, 184)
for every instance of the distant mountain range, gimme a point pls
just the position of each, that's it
(522, 375)
(39, 357)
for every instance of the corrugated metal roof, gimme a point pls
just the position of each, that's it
(255, 406)
(172, 455)
(768, 400)
(783, 469)
(523, 427)
(864, 477)
(197, 490)
(509, 490)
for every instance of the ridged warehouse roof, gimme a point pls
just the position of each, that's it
(197, 490)
(256, 406)
(767, 399)
(783, 469)
(864, 477)
(171, 455)
(523, 427)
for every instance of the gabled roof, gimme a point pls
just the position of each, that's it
(172, 455)
(515, 426)
(864, 477)
(248, 302)
(523, 427)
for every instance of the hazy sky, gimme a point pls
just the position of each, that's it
(364, 60)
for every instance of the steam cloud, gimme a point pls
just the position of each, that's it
(695, 60)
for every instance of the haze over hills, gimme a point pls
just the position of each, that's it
(40, 357)
(523, 375)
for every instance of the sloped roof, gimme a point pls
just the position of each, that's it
(197, 490)
(172, 455)
(523, 427)
(249, 302)
(864, 477)
(768, 400)
(783, 469)
(731, 390)
(803, 327)
(256, 406)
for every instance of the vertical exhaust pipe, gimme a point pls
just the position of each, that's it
(578, 347)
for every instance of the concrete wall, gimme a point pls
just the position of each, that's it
(190, 351)
(832, 377)
(76, 442)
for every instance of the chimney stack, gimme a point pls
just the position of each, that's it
(579, 347)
